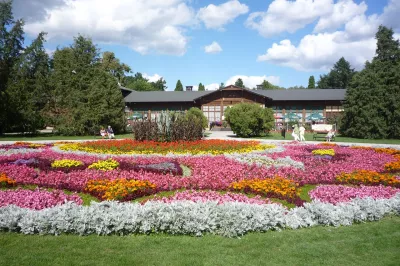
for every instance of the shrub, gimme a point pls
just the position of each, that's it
(145, 130)
(248, 120)
(197, 113)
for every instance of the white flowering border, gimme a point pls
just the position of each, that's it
(231, 219)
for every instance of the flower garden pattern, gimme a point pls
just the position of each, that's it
(246, 184)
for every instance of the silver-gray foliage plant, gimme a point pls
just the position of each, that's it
(230, 219)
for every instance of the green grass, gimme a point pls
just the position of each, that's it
(375, 243)
(55, 137)
(309, 137)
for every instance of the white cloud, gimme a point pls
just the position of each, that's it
(343, 11)
(390, 16)
(144, 26)
(288, 16)
(356, 43)
(216, 17)
(212, 86)
(252, 81)
(152, 78)
(213, 48)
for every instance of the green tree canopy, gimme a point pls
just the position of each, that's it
(222, 85)
(372, 102)
(339, 77)
(266, 85)
(201, 87)
(159, 85)
(112, 65)
(239, 83)
(179, 86)
(11, 47)
(311, 82)
(248, 119)
(196, 113)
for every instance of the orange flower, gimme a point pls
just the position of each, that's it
(368, 177)
(5, 181)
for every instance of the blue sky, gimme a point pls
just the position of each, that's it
(279, 40)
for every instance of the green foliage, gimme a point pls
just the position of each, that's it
(112, 65)
(339, 77)
(159, 85)
(372, 106)
(311, 82)
(84, 96)
(179, 86)
(239, 83)
(11, 47)
(265, 85)
(297, 88)
(28, 87)
(248, 120)
(222, 85)
(201, 87)
(196, 113)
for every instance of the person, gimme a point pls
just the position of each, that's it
(329, 136)
(110, 133)
(103, 133)
(295, 133)
(302, 130)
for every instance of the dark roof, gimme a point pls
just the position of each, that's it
(275, 95)
(305, 94)
(164, 96)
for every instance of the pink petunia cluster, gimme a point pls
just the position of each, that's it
(339, 193)
(36, 199)
(203, 196)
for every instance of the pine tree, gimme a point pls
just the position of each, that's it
(201, 87)
(339, 77)
(372, 103)
(11, 40)
(239, 83)
(28, 87)
(311, 82)
(179, 86)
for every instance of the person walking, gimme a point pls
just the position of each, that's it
(295, 133)
(302, 130)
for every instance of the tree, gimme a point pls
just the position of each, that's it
(296, 88)
(372, 102)
(159, 85)
(28, 87)
(179, 86)
(222, 85)
(311, 82)
(239, 83)
(85, 95)
(266, 85)
(339, 77)
(201, 87)
(248, 119)
(112, 65)
(11, 41)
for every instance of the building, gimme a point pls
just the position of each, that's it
(301, 102)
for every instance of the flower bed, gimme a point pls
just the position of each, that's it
(36, 199)
(127, 146)
(218, 169)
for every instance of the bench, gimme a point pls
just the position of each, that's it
(321, 130)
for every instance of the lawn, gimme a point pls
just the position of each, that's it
(375, 243)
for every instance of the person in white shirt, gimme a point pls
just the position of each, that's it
(302, 131)
(329, 136)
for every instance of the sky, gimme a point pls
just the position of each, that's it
(282, 41)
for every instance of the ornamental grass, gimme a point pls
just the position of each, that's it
(106, 165)
(128, 146)
(119, 189)
(5, 181)
(277, 187)
(368, 178)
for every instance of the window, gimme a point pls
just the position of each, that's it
(205, 108)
